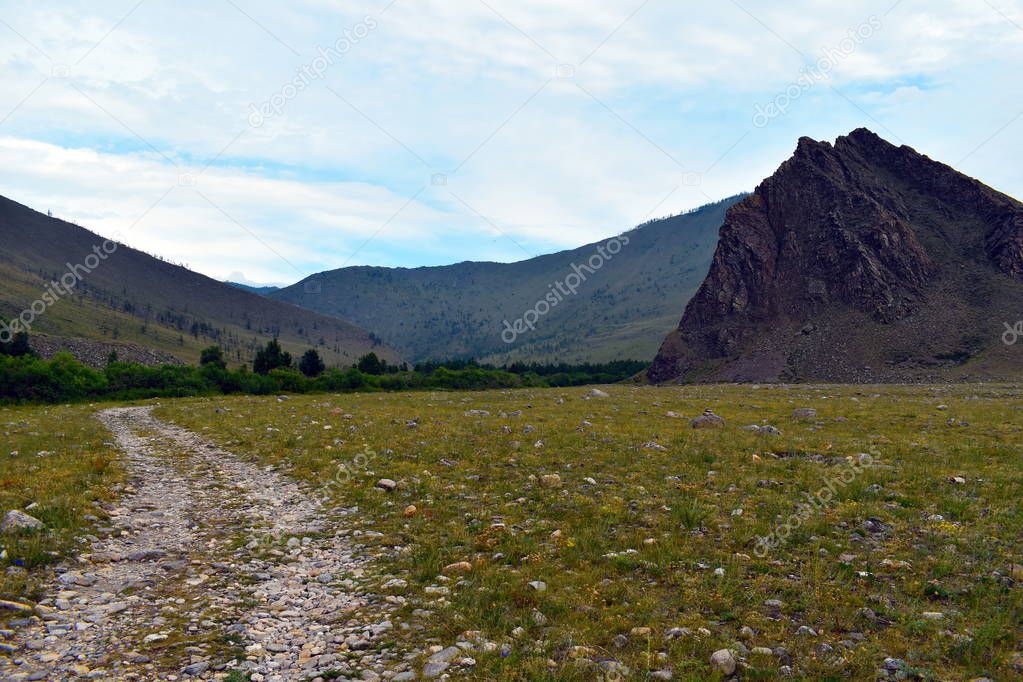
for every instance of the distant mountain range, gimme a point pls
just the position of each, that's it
(120, 295)
(620, 309)
(261, 290)
(858, 262)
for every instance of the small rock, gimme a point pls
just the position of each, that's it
(195, 668)
(458, 567)
(387, 484)
(894, 665)
(445, 655)
(551, 480)
(874, 526)
(723, 661)
(434, 670)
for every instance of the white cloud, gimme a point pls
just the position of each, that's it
(443, 76)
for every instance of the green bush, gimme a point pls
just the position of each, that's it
(63, 379)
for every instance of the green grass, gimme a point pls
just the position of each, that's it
(639, 547)
(59, 459)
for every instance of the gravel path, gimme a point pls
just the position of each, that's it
(209, 564)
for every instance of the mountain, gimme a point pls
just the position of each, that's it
(261, 290)
(122, 295)
(857, 262)
(620, 310)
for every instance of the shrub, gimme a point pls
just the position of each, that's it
(270, 358)
(311, 365)
(213, 356)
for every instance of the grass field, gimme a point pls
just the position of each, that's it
(654, 525)
(55, 462)
(648, 539)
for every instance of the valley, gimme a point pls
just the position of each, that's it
(500, 341)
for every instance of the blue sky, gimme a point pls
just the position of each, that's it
(425, 132)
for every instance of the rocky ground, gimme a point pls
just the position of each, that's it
(696, 533)
(96, 354)
(209, 568)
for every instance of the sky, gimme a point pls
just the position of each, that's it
(266, 141)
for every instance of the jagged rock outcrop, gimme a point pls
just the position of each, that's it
(858, 261)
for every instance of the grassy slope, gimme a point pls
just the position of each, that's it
(623, 311)
(81, 316)
(465, 473)
(132, 291)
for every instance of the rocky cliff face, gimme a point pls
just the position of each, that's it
(858, 261)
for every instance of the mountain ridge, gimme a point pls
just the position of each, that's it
(440, 312)
(133, 298)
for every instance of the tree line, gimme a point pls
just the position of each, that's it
(27, 378)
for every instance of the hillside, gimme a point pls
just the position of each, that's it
(857, 262)
(621, 311)
(133, 298)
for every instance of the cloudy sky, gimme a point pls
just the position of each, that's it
(279, 139)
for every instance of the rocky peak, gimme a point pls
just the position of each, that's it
(861, 226)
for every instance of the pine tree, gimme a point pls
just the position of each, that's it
(311, 364)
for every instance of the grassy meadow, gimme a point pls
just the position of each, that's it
(55, 464)
(647, 538)
(644, 532)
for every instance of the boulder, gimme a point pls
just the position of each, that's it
(17, 522)
(707, 420)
